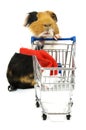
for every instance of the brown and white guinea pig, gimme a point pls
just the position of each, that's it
(43, 24)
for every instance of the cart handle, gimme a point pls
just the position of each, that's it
(73, 38)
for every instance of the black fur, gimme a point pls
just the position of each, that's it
(53, 15)
(20, 65)
(31, 18)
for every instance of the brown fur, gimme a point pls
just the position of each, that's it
(27, 79)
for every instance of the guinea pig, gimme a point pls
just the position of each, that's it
(43, 24)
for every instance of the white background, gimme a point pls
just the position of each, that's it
(17, 109)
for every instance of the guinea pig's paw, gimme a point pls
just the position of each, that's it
(57, 36)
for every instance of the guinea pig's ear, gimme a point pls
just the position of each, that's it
(53, 15)
(31, 17)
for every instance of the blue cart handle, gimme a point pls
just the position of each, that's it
(73, 38)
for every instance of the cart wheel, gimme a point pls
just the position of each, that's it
(11, 88)
(68, 117)
(44, 116)
(37, 104)
(71, 104)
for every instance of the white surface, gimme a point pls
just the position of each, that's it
(17, 109)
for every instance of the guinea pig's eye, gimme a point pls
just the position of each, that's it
(47, 25)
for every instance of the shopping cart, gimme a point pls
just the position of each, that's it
(54, 92)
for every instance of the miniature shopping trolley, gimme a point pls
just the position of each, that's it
(54, 91)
